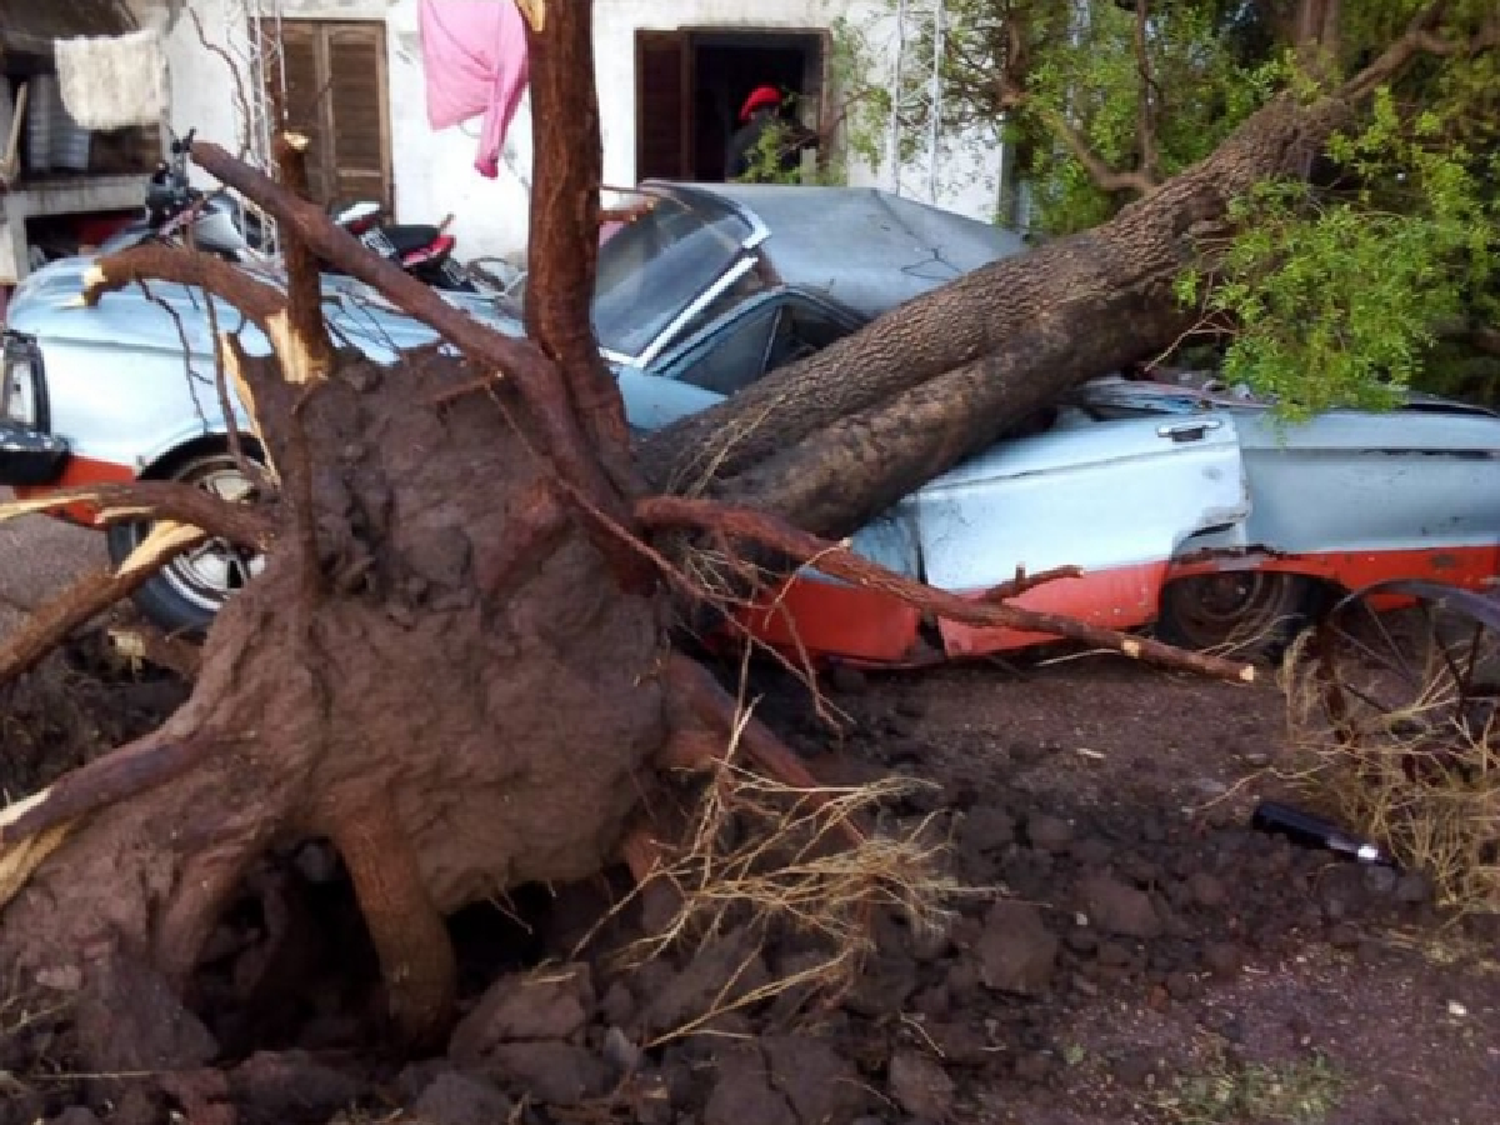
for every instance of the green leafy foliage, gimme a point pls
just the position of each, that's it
(1344, 288)
(1341, 296)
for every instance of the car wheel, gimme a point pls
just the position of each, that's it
(185, 595)
(1244, 612)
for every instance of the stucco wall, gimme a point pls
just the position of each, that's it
(434, 173)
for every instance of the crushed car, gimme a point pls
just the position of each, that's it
(1199, 512)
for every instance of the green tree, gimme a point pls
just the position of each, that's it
(1370, 268)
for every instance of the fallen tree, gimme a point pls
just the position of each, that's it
(464, 689)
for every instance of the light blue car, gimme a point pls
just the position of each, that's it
(1182, 507)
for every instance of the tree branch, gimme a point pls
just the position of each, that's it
(155, 261)
(1012, 94)
(1145, 122)
(1421, 37)
(836, 560)
(1105, 178)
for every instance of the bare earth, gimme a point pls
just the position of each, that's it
(1198, 971)
(1288, 986)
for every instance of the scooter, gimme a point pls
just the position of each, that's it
(215, 222)
(218, 223)
(422, 250)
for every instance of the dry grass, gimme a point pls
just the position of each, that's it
(1413, 768)
(810, 867)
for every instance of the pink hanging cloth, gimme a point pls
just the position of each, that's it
(474, 52)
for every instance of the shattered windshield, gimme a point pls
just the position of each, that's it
(653, 268)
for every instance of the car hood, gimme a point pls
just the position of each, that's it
(170, 318)
(47, 305)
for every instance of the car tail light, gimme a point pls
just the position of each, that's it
(22, 394)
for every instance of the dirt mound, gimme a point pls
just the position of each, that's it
(1128, 953)
(81, 701)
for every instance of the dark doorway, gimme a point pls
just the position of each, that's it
(690, 85)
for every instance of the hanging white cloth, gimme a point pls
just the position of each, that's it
(109, 82)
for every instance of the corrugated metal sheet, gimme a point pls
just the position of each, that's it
(28, 27)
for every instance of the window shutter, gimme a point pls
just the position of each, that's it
(304, 95)
(336, 94)
(661, 62)
(357, 88)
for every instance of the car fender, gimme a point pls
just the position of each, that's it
(169, 447)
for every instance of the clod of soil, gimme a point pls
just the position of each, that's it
(1165, 953)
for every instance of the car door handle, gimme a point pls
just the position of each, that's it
(1189, 431)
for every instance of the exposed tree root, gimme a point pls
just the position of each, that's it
(716, 710)
(757, 859)
(91, 595)
(258, 300)
(141, 641)
(416, 955)
(129, 771)
(242, 524)
(837, 560)
(543, 394)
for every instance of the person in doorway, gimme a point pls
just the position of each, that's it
(761, 114)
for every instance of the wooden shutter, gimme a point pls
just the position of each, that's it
(359, 155)
(336, 93)
(304, 90)
(663, 71)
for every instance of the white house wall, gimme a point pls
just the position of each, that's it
(434, 172)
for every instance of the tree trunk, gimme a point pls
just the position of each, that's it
(830, 441)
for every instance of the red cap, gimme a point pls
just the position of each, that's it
(759, 97)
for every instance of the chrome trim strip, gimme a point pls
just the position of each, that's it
(743, 266)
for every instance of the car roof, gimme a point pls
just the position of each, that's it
(865, 248)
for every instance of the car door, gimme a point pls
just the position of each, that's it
(1114, 497)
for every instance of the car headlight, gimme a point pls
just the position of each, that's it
(21, 393)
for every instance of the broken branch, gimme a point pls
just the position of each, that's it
(156, 262)
(836, 560)
(91, 596)
(241, 524)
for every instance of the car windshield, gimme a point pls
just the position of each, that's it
(651, 269)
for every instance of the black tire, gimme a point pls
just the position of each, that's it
(1244, 613)
(186, 595)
